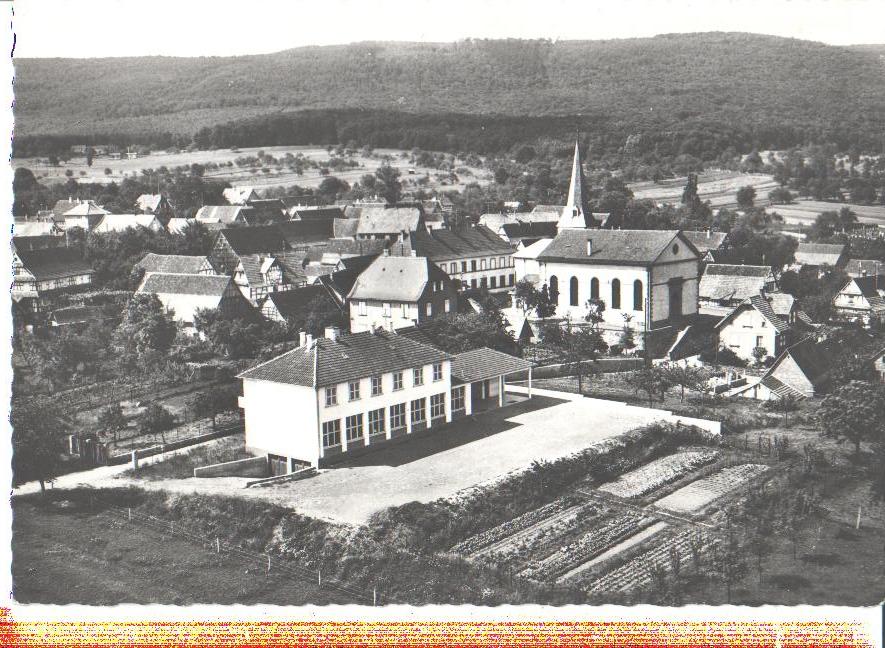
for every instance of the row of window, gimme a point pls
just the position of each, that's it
(375, 419)
(574, 292)
(387, 308)
(491, 282)
(473, 265)
(353, 387)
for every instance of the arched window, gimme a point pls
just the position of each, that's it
(594, 288)
(554, 289)
(637, 295)
(573, 291)
(616, 293)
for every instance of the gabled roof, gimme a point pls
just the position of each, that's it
(817, 254)
(340, 283)
(722, 281)
(54, 263)
(396, 278)
(87, 208)
(184, 284)
(345, 227)
(344, 248)
(781, 303)
(864, 267)
(534, 250)
(693, 339)
(35, 228)
(706, 241)
(528, 229)
(306, 232)
(761, 305)
(316, 213)
(227, 214)
(121, 222)
(389, 220)
(238, 195)
(621, 247)
(290, 303)
(255, 267)
(172, 263)
(445, 245)
(483, 363)
(178, 225)
(326, 362)
(255, 240)
(870, 285)
(149, 202)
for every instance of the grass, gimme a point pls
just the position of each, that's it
(181, 466)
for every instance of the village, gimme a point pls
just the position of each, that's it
(682, 407)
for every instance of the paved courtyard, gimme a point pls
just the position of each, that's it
(470, 452)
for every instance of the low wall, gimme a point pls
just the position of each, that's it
(250, 467)
(602, 365)
(177, 445)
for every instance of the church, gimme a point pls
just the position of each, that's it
(647, 280)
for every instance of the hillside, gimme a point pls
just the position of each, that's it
(638, 84)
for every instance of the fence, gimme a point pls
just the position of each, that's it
(265, 561)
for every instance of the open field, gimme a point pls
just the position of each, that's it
(804, 212)
(274, 177)
(719, 187)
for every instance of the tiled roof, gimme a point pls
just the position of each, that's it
(705, 241)
(178, 225)
(779, 388)
(34, 228)
(172, 263)
(388, 220)
(781, 303)
(327, 362)
(345, 227)
(732, 282)
(184, 284)
(316, 213)
(149, 201)
(347, 248)
(54, 263)
(870, 285)
(255, 240)
(306, 232)
(609, 246)
(445, 245)
(816, 254)
(396, 278)
(294, 302)
(764, 308)
(693, 339)
(254, 266)
(87, 208)
(483, 363)
(121, 222)
(237, 195)
(340, 283)
(532, 251)
(538, 229)
(227, 214)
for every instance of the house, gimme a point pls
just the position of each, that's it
(392, 223)
(156, 204)
(294, 303)
(240, 195)
(326, 258)
(710, 244)
(232, 243)
(339, 283)
(687, 344)
(864, 268)
(647, 280)
(39, 277)
(178, 226)
(820, 256)
(861, 299)
(63, 206)
(33, 228)
(258, 275)
(343, 395)
(723, 286)
(184, 294)
(267, 210)
(397, 291)
(525, 260)
(225, 214)
(754, 325)
(306, 234)
(474, 256)
(85, 214)
(175, 264)
(38, 242)
(304, 213)
(122, 222)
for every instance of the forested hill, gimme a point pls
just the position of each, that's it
(640, 84)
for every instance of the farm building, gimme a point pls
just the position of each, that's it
(258, 275)
(184, 294)
(724, 286)
(754, 325)
(305, 213)
(287, 304)
(78, 316)
(175, 264)
(240, 195)
(156, 204)
(861, 299)
(224, 214)
(346, 394)
(39, 277)
(232, 243)
(820, 256)
(122, 222)
(85, 215)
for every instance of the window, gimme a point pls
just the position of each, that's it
(386, 309)
(573, 291)
(428, 310)
(637, 295)
(473, 266)
(397, 380)
(502, 262)
(554, 289)
(405, 311)
(398, 416)
(353, 390)
(332, 433)
(453, 268)
(418, 376)
(438, 406)
(376, 422)
(353, 427)
(483, 282)
(457, 399)
(419, 411)
(331, 395)
(482, 264)
(493, 263)
(594, 288)
(448, 306)
(675, 249)
(362, 306)
(512, 279)
(493, 282)
(376, 385)
(437, 371)
(463, 266)
(758, 341)
(473, 283)
(616, 293)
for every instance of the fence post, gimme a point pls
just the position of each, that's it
(319, 578)
(217, 545)
(130, 513)
(857, 524)
(374, 596)
(267, 573)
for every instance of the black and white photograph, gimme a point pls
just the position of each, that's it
(447, 304)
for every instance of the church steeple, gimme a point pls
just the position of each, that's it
(576, 214)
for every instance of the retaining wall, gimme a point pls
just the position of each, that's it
(250, 467)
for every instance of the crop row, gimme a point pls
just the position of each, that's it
(657, 473)
(585, 548)
(698, 494)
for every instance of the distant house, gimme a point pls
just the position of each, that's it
(156, 204)
(224, 214)
(258, 275)
(710, 244)
(724, 286)
(820, 256)
(122, 222)
(396, 291)
(474, 256)
(753, 325)
(177, 226)
(184, 294)
(864, 268)
(240, 195)
(339, 283)
(524, 234)
(267, 210)
(861, 299)
(85, 215)
(282, 306)
(392, 223)
(40, 276)
(175, 264)
(31, 228)
(304, 213)
(232, 243)
(38, 242)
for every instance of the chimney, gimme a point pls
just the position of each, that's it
(386, 252)
(414, 252)
(333, 333)
(589, 247)
(302, 338)
(708, 232)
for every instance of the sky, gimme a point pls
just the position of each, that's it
(94, 28)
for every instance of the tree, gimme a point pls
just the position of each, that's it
(156, 419)
(729, 563)
(390, 185)
(146, 326)
(547, 301)
(780, 196)
(686, 377)
(37, 442)
(626, 339)
(854, 412)
(209, 404)
(575, 347)
(746, 197)
(759, 356)
(651, 380)
(526, 295)
(111, 420)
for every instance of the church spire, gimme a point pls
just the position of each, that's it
(576, 214)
